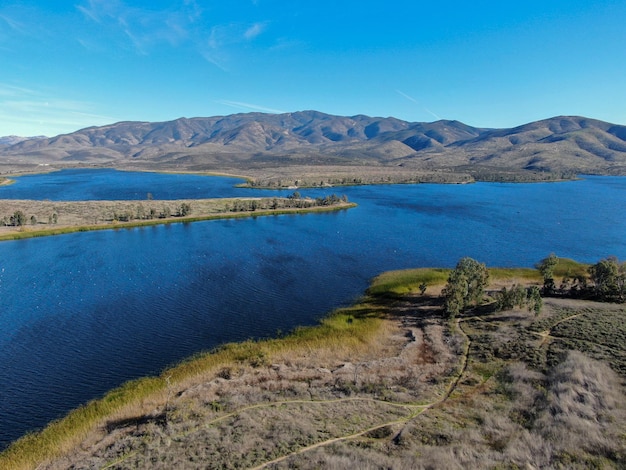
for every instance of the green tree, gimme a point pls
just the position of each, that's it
(466, 286)
(518, 296)
(546, 268)
(18, 219)
(184, 210)
(508, 299)
(609, 279)
(534, 300)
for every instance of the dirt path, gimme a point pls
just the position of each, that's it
(416, 410)
(545, 335)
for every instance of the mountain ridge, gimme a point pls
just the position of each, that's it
(558, 144)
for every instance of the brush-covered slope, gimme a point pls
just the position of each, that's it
(574, 144)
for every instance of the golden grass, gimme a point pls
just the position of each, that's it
(61, 435)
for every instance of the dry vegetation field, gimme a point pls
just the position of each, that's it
(388, 383)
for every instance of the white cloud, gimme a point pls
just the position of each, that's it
(183, 24)
(222, 42)
(254, 31)
(13, 24)
(144, 28)
(249, 106)
(20, 21)
(12, 90)
(30, 112)
(410, 98)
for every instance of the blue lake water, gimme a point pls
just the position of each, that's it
(84, 312)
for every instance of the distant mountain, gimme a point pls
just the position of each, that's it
(565, 143)
(15, 139)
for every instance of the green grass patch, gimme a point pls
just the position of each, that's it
(505, 274)
(566, 267)
(408, 280)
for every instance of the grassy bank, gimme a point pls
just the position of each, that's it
(345, 331)
(348, 329)
(408, 281)
(429, 373)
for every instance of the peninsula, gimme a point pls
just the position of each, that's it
(30, 218)
(386, 382)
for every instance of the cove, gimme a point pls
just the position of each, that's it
(85, 312)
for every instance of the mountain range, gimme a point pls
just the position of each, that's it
(258, 140)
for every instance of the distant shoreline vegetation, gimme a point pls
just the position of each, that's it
(295, 177)
(458, 176)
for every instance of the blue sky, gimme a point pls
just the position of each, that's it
(65, 65)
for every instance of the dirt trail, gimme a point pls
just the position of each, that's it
(416, 409)
(545, 335)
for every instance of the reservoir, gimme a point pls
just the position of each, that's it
(84, 312)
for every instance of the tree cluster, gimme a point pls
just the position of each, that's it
(465, 287)
(140, 213)
(19, 219)
(605, 280)
(519, 296)
(294, 200)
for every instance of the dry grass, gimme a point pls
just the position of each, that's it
(384, 384)
(57, 217)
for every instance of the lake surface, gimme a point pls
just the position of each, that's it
(84, 312)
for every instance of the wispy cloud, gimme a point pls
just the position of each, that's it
(19, 22)
(254, 31)
(144, 28)
(223, 40)
(13, 90)
(13, 24)
(410, 98)
(250, 106)
(27, 112)
(183, 24)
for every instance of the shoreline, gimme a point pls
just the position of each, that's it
(333, 176)
(331, 365)
(349, 329)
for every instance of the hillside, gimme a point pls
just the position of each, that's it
(259, 144)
